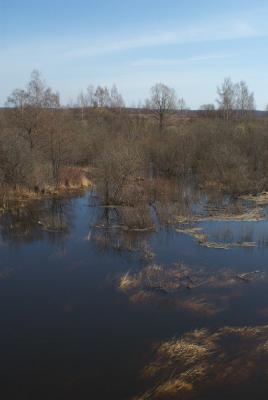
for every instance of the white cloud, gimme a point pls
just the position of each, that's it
(111, 46)
(159, 62)
(71, 63)
(206, 32)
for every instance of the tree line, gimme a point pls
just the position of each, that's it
(44, 145)
(234, 100)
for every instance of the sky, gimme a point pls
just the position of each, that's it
(188, 45)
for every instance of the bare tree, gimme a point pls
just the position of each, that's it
(15, 158)
(82, 101)
(38, 94)
(235, 99)
(58, 143)
(102, 97)
(90, 95)
(245, 101)
(207, 107)
(115, 168)
(182, 104)
(162, 102)
(117, 100)
(29, 107)
(207, 110)
(227, 98)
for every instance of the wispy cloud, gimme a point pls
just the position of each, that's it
(81, 48)
(72, 62)
(110, 46)
(165, 62)
(222, 30)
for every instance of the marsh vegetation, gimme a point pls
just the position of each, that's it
(202, 362)
(140, 237)
(127, 152)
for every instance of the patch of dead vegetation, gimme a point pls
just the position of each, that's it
(183, 367)
(202, 239)
(247, 215)
(204, 305)
(250, 215)
(72, 180)
(194, 290)
(260, 198)
(157, 278)
(136, 218)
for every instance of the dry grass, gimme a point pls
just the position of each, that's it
(179, 276)
(260, 199)
(202, 239)
(250, 215)
(72, 179)
(156, 277)
(75, 177)
(186, 287)
(204, 305)
(21, 194)
(201, 359)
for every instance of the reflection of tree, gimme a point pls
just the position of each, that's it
(172, 200)
(108, 232)
(54, 218)
(36, 221)
(225, 234)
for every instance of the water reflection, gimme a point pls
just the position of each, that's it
(36, 221)
(108, 231)
(76, 308)
(236, 233)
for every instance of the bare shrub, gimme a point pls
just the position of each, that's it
(117, 164)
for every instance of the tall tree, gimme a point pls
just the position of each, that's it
(235, 99)
(82, 101)
(102, 97)
(29, 107)
(227, 98)
(58, 143)
(162, 102)
(117, 100)
(245, 101)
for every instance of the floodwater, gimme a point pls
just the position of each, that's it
(69, 331)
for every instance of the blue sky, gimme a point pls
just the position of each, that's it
(190, 45)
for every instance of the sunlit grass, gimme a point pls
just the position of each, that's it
(194, 290)
(183, 367)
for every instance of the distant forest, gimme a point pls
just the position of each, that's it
(46, 147)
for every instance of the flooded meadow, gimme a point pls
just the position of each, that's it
(168, 301)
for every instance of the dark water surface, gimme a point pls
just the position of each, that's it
(68, 332)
